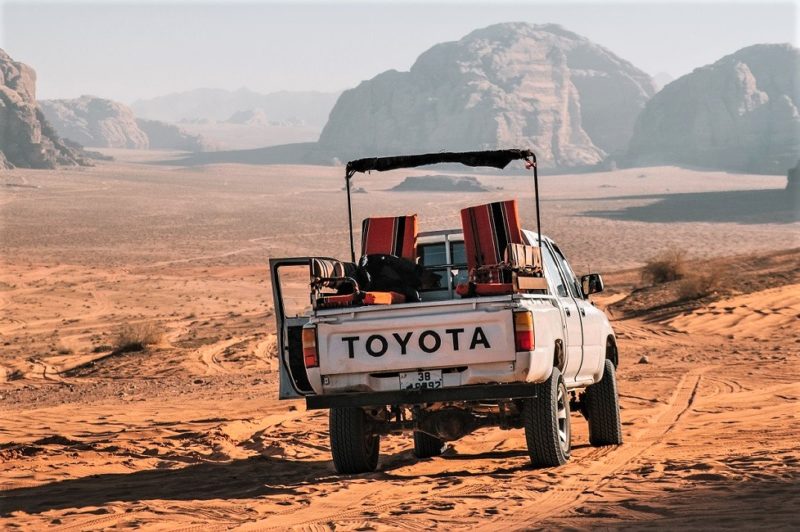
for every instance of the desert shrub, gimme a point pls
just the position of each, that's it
(700, 284)
(62, 349)
(137, 336)
(669, 265)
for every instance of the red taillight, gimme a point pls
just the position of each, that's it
(310, 354)
(523, 331)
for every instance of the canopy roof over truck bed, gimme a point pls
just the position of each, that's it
(494, 158)
(490, 158)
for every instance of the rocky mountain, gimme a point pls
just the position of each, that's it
(219, 105)
(95, 122)
(740, 114)
(26, 139)
(163, 136)
(507, 85)
(101, 123)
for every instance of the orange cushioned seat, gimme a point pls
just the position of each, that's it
(393, 235)
(364, 298)
(488, 230)
(484, 289)
(383, 298)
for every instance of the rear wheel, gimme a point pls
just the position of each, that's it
(353, 446)
(602, 409)
(546, 420)
(426, 446)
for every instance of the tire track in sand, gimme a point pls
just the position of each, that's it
(591, 472)
(576, 487)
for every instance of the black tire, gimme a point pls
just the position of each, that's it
(547, 424)
(354, 448)
(426, 446)
(602, 409)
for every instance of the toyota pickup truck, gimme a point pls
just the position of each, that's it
(439, 333)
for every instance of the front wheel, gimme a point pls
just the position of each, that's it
(602, 409)
(353, 446)
(546, 421)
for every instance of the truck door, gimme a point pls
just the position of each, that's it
(593, 351)
(570, 315)
(291, 294)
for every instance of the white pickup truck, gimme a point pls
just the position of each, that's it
(472, 345)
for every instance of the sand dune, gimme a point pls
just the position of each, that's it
(760, 315)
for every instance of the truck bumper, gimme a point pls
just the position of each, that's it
(477, 392)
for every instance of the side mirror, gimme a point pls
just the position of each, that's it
(592, 284)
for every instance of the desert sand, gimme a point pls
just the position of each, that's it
(189, 433)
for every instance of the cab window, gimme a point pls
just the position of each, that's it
(446, 273)
(572, 281)
(551, 271)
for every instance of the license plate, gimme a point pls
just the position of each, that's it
(421, 380)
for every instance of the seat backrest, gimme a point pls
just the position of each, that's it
(393, 235)
(488, 230)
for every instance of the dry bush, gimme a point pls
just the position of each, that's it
(701, 284)
(137, 336)
(669, 265)
(63, 349)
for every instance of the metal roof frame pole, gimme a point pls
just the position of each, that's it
(536, 198)
(349, 174)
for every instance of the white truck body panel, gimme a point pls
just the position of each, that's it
(470, 341)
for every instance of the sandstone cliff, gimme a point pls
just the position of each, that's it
(507, 85)
(26, 139)
(101, 123)
(740, 114)
(163, 136)
(95, 122)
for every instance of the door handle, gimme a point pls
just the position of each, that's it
(583, 312)
(566, 309)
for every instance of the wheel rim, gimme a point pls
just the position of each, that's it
(562, 418)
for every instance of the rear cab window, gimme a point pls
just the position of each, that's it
(445, 264)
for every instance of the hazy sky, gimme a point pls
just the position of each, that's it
(136, 50)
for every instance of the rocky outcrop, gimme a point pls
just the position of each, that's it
(26, 139)
(163, 136)
(95, 122)
(101, 123)
(507, 85)
(739, 114)
(440, 183)
(250, 117)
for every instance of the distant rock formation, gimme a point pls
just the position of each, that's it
(249, 117)
(440, 183)
(739, 114)
(507, 85)
(95, 122)
(163, 136)
(217, 105)
(101, 123)
(26, 139)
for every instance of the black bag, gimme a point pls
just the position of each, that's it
(388, 273)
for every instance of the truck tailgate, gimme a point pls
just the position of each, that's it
(386, 342)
